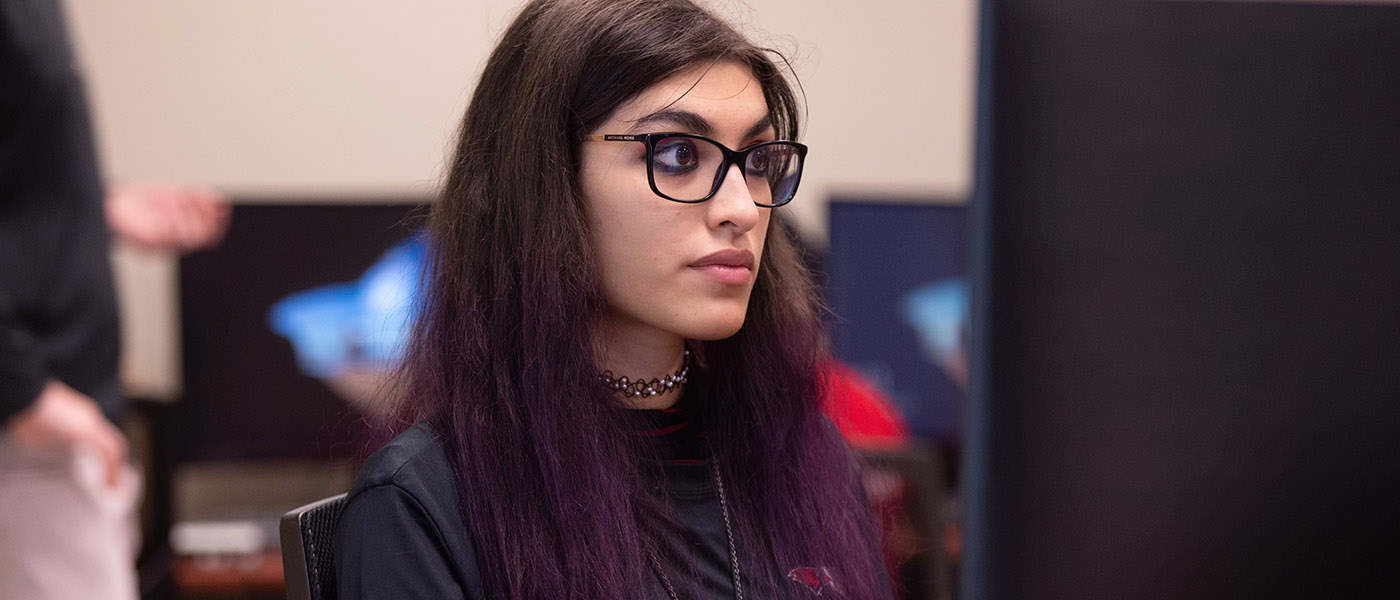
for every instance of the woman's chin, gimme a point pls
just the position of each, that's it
(714, 330)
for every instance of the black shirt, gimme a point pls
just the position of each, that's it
(58, 312)
(401, 534)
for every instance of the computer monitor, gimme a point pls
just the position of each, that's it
(246, 397)
(1186, 301)
(895, 277)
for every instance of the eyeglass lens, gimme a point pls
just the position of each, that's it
(689, 169)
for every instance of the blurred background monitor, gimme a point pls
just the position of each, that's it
(1186, 302)
(246, 396)
(894, 277)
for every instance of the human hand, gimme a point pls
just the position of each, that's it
(63, 417)
(169, 217)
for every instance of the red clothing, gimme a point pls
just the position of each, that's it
(863, 414)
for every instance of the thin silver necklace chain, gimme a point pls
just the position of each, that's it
(728, 536)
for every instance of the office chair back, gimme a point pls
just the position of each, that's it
(308, 562)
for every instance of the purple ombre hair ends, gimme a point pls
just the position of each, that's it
(502, 362)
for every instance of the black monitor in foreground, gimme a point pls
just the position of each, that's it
(1186, 302)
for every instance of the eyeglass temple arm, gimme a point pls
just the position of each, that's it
(613, 138)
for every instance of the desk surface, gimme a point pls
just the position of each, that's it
(253, 574)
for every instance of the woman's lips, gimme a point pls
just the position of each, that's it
(726, 274)
(730, 267)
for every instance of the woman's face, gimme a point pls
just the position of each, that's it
(671, 270)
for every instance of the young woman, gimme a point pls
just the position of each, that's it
(613, 377)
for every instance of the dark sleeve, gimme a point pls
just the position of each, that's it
(388, 546)
(58, 311)
(21, 372)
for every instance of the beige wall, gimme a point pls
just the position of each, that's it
(354, 99)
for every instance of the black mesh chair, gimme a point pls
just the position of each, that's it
(308, 564)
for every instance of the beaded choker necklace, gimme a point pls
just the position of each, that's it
(642, 388)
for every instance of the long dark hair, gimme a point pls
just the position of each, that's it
(502, 360)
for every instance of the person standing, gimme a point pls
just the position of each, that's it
(67, 492)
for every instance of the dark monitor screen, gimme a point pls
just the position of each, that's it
(1186, 302)
(245, 395)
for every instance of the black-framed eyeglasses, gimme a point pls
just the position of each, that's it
(689, 168)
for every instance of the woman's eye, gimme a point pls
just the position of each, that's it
(676, 155)
(758, 161)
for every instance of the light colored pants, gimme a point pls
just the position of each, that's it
(65, 535)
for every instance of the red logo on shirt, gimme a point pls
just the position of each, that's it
(815, 578)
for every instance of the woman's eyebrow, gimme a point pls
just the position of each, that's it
(685, 119)
(693, 123)
(760, 127)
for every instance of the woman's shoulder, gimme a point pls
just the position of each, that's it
(401, 528)
(414, 461)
